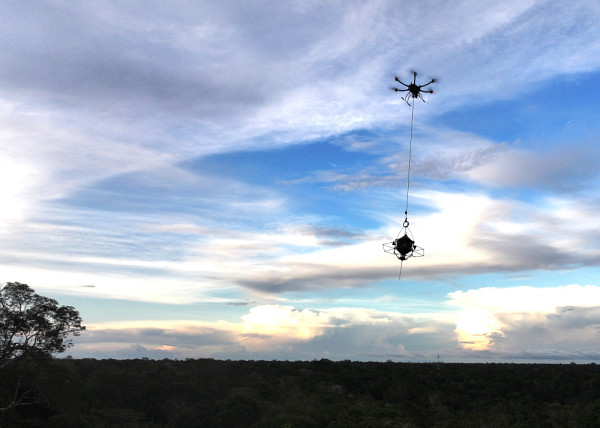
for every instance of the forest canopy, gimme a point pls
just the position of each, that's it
(321, 393)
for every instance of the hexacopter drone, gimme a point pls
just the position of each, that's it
(413, 89)
(403, 247)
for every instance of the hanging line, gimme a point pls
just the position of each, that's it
(405, 224)
(409, 160)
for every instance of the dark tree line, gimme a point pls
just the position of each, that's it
(213, 393)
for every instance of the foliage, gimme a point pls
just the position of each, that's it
(321, 393)
(33, 325)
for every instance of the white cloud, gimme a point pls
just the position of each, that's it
(564, 169)
(527, 299)
(494, 324)
(275, 331)
(291, 84)
(462, 234)
(562, 321)
(283, 322)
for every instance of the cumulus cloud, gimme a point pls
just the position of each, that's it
(550, 322)
(153, 339)
(491, 324)
(268, 327)
(275, 331)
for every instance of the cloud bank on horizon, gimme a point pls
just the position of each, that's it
(218, 153)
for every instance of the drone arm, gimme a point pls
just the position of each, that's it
(427, 84)
(400, 81)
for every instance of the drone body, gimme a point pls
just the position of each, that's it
(414, 90)
(404, 247)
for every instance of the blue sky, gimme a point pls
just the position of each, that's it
(216, 179)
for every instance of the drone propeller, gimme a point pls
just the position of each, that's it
(400, 81)
(415, 73)
(434, 79)
(427, 84)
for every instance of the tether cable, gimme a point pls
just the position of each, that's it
(412, 116)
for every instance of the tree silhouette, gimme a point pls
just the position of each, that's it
(33, 325)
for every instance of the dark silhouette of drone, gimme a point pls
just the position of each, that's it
(414, 90)
(403, 247)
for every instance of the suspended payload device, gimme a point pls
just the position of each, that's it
(404, 247)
